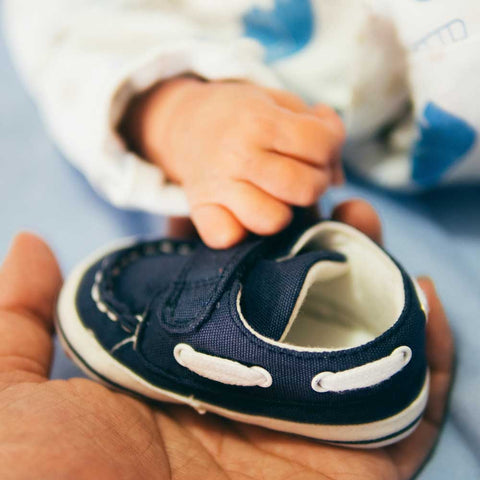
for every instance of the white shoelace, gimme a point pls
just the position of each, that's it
(364, 376)
(221, 369)
(234, 373)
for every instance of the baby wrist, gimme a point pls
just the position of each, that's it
(148, 121)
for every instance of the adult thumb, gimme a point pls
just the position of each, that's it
(30, 280)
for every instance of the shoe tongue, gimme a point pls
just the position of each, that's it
(272, 289)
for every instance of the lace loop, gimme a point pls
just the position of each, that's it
(363, 376)
(221, 369)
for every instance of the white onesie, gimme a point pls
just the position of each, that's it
(404, 74)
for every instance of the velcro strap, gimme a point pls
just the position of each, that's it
(200, 284)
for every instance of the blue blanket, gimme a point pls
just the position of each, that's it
(437, 233)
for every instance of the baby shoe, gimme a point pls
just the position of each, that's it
(318, 333)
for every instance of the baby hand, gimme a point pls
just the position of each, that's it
(244, 154)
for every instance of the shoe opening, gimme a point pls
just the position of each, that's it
(349, 304)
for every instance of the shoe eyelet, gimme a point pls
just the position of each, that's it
(133, 256)
(406, 353)
(150, 250)
(112, 316)
(317, 382)
(184, 249)
(95, 293)
(166, 247)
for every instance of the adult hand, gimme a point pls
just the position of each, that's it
(78, 429)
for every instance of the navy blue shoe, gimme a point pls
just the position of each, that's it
(320, 334)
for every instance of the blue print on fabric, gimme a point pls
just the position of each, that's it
(447, 34)
(283, 30)
(444, 140)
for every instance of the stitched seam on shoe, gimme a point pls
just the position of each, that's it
(171, 302)
(141, 251)
(102, 304)
(199, 318)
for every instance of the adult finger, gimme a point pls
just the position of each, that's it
(360, 215)
(30, 280)
(181, 227)
(410, 454)
(440, 352)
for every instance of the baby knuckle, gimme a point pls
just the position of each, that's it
(197, 194)
(312, 190)
(237, 160)
(285, 174)
(276, 220)
(263, 128)
(246, 109)
(249, 160)
(306, 198)
(335, 129)
(324, 154)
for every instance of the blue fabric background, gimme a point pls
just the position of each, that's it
(436, 233)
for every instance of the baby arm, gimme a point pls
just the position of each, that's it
(244, 154)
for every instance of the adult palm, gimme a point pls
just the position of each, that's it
(78, 429)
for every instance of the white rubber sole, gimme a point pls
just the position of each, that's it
(96, 362)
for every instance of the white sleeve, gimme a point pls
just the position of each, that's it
(431, 64)
(442, 40)
(83, 61)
